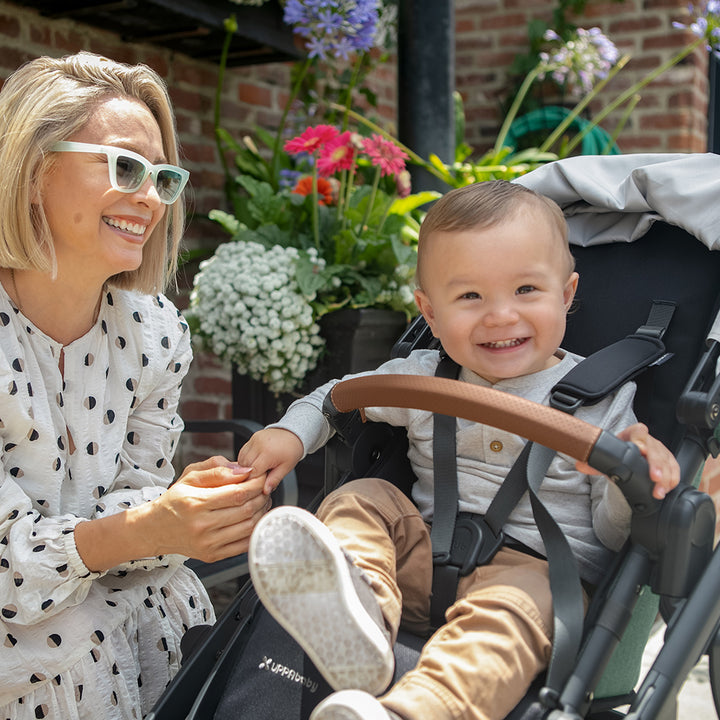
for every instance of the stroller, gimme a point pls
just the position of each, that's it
(644, 230)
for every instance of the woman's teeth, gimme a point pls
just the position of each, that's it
(134, 228)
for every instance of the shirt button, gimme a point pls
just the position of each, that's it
(496, 446)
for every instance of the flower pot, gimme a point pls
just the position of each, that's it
(356, 340)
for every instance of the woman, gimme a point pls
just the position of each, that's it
(94, 596)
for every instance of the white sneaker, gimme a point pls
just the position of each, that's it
(309, 585)
(351, 705)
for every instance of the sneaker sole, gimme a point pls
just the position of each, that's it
(302, 578)
(349, 705)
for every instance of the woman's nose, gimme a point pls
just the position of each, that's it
(148, 192)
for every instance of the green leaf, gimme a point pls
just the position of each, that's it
(228, 222)
(402, 206)
(405, 254)
(310, 277)
(267, 138)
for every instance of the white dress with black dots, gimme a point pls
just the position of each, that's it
(77, 644)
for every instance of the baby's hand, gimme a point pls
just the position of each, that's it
(664, 468)
(273, 451)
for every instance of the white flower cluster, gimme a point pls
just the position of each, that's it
(398, 292)
(250, 311)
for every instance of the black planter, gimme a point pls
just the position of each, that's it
(356, 340)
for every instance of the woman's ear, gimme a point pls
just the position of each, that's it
(426, 309)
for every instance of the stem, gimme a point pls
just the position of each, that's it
(341, 194)
(348, 192)
(621, 124)
(388, 205)
(625, 96)
(371, 200)
(513, 111)
(315, 219)
(283, 120)
(229, 32)
(350, 88)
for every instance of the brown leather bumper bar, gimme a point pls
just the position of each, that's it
(539, 423)
(620, 460)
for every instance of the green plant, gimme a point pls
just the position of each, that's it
(503, 161)
(325, 218)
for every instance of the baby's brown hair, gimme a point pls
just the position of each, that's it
(482, 205)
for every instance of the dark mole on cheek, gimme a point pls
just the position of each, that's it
(77, 218)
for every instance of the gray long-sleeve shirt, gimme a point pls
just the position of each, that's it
(591, 511)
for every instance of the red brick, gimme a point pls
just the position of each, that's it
(13, 58)
(9, 26)
(200, 152)
(668, 121)
(40, 34)
(498, 22)
(634, 25)
(254, 95)
(213, 386)
(185, 99)
(199, 410)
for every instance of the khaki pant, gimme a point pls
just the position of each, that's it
(498, 633)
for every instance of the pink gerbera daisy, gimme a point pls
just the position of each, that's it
(337, 154)
(311, 140)
(385, 155)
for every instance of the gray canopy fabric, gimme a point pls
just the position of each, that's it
(616, 198)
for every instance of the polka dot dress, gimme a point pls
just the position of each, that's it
(73, 643)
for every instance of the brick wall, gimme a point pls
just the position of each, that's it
(672, 114)
(670, 117)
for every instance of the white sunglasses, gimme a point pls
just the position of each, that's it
(128, 170)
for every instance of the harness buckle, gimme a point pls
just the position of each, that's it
(474, 544)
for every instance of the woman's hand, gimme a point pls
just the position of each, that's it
(272, 452)
(210, 511)
(207, 514)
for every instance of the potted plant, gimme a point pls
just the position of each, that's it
(322, 233)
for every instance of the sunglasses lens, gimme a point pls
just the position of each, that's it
(169, 184)
(129, 173)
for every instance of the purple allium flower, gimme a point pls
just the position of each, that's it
(580, 62)
(334, 27)
(706, 23)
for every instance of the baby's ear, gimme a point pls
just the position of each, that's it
(570, 289)
(425, 307)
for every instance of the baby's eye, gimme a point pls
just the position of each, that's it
(470, 296)
(524, 289)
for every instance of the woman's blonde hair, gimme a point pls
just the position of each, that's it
(483, 205)
(50, 99)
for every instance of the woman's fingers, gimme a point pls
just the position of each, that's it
(234, 538)
(214, 472)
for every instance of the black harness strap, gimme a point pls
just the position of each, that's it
(445, 574)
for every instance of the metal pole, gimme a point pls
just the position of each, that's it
(713, 132)
(426, 81)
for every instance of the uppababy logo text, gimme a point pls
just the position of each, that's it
(287, 673)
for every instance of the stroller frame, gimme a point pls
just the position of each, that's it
(670, 551)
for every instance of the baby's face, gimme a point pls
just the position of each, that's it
(497, 297)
